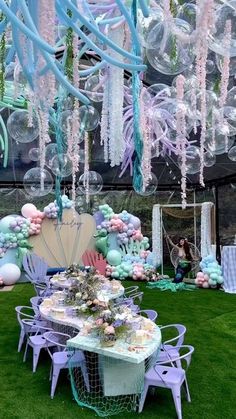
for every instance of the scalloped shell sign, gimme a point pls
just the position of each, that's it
(63, 243)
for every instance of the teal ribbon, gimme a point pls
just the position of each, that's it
(138, 141)
(168, 285)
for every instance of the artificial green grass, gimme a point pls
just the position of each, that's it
(210, 318)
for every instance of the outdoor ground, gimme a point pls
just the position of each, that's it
(210, 318)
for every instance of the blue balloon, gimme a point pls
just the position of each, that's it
(9, 257)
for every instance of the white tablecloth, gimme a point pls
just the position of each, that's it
(228, 263)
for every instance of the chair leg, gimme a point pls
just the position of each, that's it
(177, 400)
(36, 353)
(185, 385)
(26, 350)
(143, 397)
(85, 375)
(50, 375)
(55, 375)
(21, 340)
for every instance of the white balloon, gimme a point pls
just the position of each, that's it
(10, 273)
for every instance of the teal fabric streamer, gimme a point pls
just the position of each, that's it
(138, 141)
(61, 146)
(168, 285)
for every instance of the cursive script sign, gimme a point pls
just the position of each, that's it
(73, 223)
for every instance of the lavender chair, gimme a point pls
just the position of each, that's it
(150, 314)
(63, 358)
(169, 377)
(35, 340)
(169, 348)
(35, 268)
(25, 312)
(35, 302)
(131, 290)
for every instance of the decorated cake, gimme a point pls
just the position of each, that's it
(140, 337)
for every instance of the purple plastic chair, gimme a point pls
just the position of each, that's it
(131, 290)
(35, 339)
(35, 268)
(25, 312)
(35, 302)
(63, 358)
(169, 348)
(150, 314)
(169, 377)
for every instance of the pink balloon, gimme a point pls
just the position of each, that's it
(206, 277)
(39, 220)
(200, 275)
(29, 210)
(205, 285)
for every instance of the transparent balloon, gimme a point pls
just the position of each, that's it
(210, 66)
(51, 151)
(232, 64)
(89, 118)
(21, 128)
(188, 12)
(209, 159)
(224, 13)
(232, 154)
(157, 93)
(231, 98)
(150, 188)
(91, 182)
(145, 24)
(221, 142)
(61, 165)
(34, 154)
(94, 88)
(166, 53)
(211, 102)
(192, 160)
(66, 121)
(38, 182)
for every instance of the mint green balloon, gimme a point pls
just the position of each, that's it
(113, 257)
(5, 222)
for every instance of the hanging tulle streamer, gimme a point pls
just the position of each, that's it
(138, 142)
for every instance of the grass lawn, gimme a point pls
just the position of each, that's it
(210, 318)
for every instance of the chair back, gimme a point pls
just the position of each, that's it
(35, 267)
(131, 290)
(187, 356)
(178, 340)
(35, 302)
(150, 314)
(57, 339)
(23, 312)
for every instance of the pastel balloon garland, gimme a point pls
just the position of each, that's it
(120, 240)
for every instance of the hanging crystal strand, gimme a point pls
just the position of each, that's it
(86, 166)
(116, 95)
(224, 82)
(146, 158)
(75, 129)
(194, 105)
(213, 124)
(104, 117)
(181, 135)
(205, 20)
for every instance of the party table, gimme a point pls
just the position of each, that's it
(116, 373)
(228, 263)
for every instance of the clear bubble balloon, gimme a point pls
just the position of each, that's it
(209, 159)
(224, 13)
(188, 12)
(165, 52)
(232, 154)
(91, 182)
(61, 165)
(51, 151)
(145, 24)
(221, 143)
(229, 113)
(156, 92)
(210, 66)
(232, 64)
(94, 88)
(150, 188)
(66, 121)
(231, 98)
(211, 102)
(192, 160)
(21, 128)
(38, 182)
(89, 118)
(34, 154)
